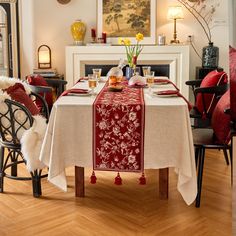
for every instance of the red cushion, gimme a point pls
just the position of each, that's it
(221, 121)
(17, 93)
(213, 78)
(232, 66)
(38, 80)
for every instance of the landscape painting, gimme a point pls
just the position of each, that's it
(126, 18)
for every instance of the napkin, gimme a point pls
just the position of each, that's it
(165, 81)
(177, 93)
(137, 85)
(74, 90)
(81, 79)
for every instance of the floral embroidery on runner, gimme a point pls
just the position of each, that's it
(118, 130)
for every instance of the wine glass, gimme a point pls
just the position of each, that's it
(150, 81)
(97, 72)
(146, 70)
(92, 82)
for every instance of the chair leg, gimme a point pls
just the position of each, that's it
(14, 167)
(200, 175)
(226, 156)
(36, 184)
(1, 168)
(231, 161)
(196, 156)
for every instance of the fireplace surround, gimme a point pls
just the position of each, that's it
(173, 57)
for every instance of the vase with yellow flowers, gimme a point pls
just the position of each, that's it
(132, 53)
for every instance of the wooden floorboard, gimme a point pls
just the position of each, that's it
(112, 210)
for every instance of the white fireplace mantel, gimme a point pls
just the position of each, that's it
(176, 56)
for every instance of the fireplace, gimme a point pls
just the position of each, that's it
(171, 61)
(160, 70)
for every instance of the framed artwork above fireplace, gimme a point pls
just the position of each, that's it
(126, 18)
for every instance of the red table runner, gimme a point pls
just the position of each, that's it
(118, 130)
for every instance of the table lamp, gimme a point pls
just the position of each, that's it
(175, 13)
(44, 57)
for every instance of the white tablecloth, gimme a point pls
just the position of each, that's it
(168, 138)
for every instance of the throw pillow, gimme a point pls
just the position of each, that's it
(38, 80)
(17, 92)
(232, 66)
(221, 121)
(214, 78)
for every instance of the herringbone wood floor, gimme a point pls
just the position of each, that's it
(124, 210)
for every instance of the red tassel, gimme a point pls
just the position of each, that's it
(118, 180)
(93, 178)
(142, 179)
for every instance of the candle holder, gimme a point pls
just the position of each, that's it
(93, 35)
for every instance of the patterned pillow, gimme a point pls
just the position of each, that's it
(221, 121)
(17, 93)
(232, 65)
(214, 78)
(38, 80)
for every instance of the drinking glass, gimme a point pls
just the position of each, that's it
(146, 70)
(97, 72)
(137, 70)
(150, 81)
(92, 82)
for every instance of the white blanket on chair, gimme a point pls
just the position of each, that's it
(31, 143)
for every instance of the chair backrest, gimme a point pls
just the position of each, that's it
(37, 83)
(205, 103)
(15, 118)
(221, 121)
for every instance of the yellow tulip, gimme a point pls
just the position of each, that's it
(139, 37)
(127, 42)
(120, 41)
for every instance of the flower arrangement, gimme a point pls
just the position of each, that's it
(202, 13)
(132, 51)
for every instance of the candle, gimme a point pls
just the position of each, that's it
(93, 33)
(104, 36)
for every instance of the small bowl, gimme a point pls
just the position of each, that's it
(115, 88)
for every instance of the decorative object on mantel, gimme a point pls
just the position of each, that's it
(44, 57)
(132, 53)
(203, 15)
(126, 18)
(175, 13)
(78, 30)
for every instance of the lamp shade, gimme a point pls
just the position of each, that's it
(175, 12)
(44, 57)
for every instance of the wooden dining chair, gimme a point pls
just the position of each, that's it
(207, 93)
(217, 137)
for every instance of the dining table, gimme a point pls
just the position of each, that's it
(168, 141)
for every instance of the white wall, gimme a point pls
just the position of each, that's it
(27, 48)
(51, 25)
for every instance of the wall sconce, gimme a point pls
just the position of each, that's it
(44, 57)
(175, 13)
